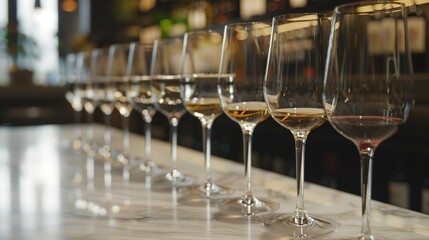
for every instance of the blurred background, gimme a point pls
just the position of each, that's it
(36, 35)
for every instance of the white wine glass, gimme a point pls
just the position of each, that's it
(198, 90)
(139, 94)
(84, 75)
(118, 74)
(166, 75)
(368, 83)
(100, 85)
(293, 92)
(84, 70)
(73, 90)
(241, 80)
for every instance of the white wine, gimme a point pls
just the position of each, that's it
(119, 87)
(247, 112)
(166, 93)
(78, 91)
(100, 88)
(69, 87)
(299, 119)
(201, 96)
(204, 107)
(140, 96)
(88, 100)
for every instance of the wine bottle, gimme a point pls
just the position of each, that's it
(425, 196)
(399, 188)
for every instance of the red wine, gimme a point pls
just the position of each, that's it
(366, 129)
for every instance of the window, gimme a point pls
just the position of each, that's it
(3, 13)
(41, 25)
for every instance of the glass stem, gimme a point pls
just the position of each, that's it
(106, 151)
(148, 121)
(247, 156)
(126, 140)
(366, 152)
(77, 141)
(206, 132)
(174, 122)
(107, 136)
(90, 172)
(300, 216)
(77, 132)
(77, 117)
(125, 154)
(107, 175)
(89, 132)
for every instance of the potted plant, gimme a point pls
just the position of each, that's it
(23, 52)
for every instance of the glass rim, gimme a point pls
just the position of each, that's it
(162, 41)
(119, 45)
(144, 44)
(353, 7)
(295, 17)
(100, 50)
(202, 32)
(250, 25)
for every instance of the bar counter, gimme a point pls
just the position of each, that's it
(46, 193)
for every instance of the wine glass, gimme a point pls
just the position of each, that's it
(198, 90)
(368, 84)
(241, 79)
(293, 92)
(118, 74)
(85, 92)
(140, 96)
(72, 89)
(166, 75)
(84, 62)
(100, 85)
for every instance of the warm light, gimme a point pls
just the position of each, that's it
(250, 8)
(146, 5)
(375, 7)
(242, 35)
(296, 25)
(150, 34)
(197, 18)
(418, 2)
(216, 38)
(69, 5)
(297, 3)
(408, 2)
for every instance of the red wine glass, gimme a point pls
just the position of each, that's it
(368, 84)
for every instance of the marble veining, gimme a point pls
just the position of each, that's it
(46, 193)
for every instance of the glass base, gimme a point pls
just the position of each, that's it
(201, 195)
(302, 228)
(145, 173)
(123, 158)
(247, 205)
(150, 168)
(90, 148)
(147, 168)
(361, 237)
(206, 190)
(171, 179)
(107, 154)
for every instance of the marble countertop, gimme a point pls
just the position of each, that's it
(46, 194)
